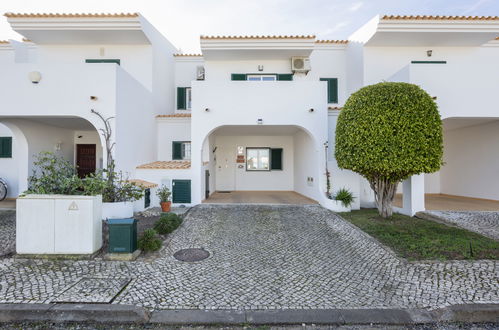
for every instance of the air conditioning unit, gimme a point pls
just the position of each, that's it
(300, 64)
(200, 72)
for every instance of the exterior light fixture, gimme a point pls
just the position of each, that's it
(35, 77)
(58, 146)
(429, 52)
(260, 68)
(93, 98)
(259, 121)
(311, 110)
(207, 110)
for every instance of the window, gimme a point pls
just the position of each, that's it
(258, 159)
(117, 61)
(184, 98)
(5, 147)
(332, 89)
(181, 150)
(262, 77)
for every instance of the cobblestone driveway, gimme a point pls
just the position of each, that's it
(7, 233)
(266, 257)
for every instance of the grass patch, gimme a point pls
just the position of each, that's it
(418, 239)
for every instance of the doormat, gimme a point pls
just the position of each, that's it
(90, 290)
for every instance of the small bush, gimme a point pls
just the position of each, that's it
(344, 196)
(149, 241)
(167, 223)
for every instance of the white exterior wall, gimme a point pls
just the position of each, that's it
(471, 156)
(234, 178)
(162, 177)
(169, 130)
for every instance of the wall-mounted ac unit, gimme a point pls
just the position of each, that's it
(300, 64)
(200, 72)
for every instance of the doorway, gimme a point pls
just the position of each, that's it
(85, 159)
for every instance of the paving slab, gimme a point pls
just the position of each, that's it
(197, 317)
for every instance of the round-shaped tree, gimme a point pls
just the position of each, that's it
(387, 132)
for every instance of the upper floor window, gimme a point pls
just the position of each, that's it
(184, 98)
(332, 89)
(181, 150)
(104, 60)
(5, 147)
(262, 77)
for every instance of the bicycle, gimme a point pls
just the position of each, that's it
(3, 189)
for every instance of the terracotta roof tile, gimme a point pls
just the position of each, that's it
(143, 184)
(69, 15)
(259, 37)
(4, 42)
(188, 55)
(334, 108)
(440, 18)
(331, 41)
(177, 115)
(167, 165)
(497, 38)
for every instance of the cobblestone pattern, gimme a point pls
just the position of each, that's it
(482, 222)
(7, 233)
(266, 257)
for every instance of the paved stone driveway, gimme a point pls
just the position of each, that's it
(7, 233)
(482, 222)
(265, 257)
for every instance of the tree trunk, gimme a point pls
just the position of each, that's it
(384, 191)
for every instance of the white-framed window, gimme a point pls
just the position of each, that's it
(261, 77)
(181, 150)
(258, 159)
(188, 98)
(186, 150)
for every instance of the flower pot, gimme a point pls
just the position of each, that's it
(166, 206)
(117, 210)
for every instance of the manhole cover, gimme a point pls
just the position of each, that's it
(191, 255)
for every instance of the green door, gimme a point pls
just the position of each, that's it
(181, 191)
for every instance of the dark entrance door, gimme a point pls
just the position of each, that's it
(85, 159)
(207, 184)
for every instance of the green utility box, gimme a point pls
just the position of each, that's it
(122, 235)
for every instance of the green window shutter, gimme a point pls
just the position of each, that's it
(285, 76)
(332, 89)
(276, 159)
(117, 61)
(181, 191)
(6, 147)
(238, 76)
(181, 104)
(177, 150)
(147, 197)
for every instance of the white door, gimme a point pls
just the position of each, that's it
(225, 167)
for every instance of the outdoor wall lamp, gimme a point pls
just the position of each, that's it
(429, 52)
(58, 146)
(311, 110)
(260, 68)
(35, 77)
(93, 98)
(259, 121)
(207, 110)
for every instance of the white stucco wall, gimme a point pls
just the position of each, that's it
(169, 130)
(230, 177)
(162, 177)
(471, 155)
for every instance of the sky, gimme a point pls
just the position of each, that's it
(183, 21)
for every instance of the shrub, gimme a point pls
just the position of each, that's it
(149, 241)
(116, 189)
(163, 194)
(167, 223)
(53, 174)
(345, 196)
(388, 132)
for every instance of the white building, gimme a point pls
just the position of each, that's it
(240, 116)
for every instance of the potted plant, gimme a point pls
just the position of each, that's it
(164, 194)
(341, 201)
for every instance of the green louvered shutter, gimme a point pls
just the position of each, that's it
(276, 159)
(332, 89)
(181, 192)
(177, 150)
(181, 98)
(285, 76)
(6, 147)
(238, 76)
(117, 61)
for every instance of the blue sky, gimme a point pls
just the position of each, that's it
(182, 21)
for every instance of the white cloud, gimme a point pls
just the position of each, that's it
(356, 6)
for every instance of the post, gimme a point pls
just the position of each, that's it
(413, 195)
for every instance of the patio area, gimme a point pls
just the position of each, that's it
(258, 197)
(441, 202)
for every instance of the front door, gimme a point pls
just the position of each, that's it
(225, 178)
(85, 159)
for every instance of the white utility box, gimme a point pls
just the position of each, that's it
(58, 224)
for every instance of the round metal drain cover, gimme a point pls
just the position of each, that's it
(191, 255)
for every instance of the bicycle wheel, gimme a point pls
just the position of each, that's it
(3, 191)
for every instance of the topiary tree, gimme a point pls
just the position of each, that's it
(388, 132)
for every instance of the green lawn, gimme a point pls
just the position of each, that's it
(418, 239)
